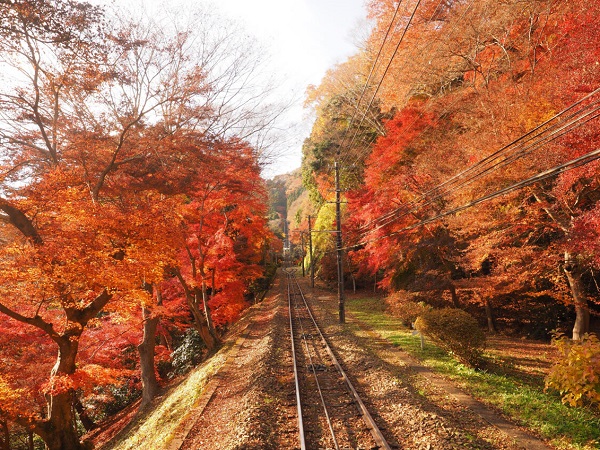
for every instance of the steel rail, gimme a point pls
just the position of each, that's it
(312, 366)
(296, 380)
(368, 419)
(366, 416)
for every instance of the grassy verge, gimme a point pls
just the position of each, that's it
(156, 429)
(524, 402)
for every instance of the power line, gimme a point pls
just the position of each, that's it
(403, 211)
(385, 72)
(368, 144)
(372, 71)
(439, 193)
(455, 183)
(366, 148)
(572, 164)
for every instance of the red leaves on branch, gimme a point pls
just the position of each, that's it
(468, 80)
(111, 182)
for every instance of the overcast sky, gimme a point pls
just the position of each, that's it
(305, 38)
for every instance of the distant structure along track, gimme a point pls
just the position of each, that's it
(331, 414)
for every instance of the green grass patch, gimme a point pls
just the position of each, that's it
(156, 428)
(525, 403)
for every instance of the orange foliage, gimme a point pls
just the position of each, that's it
(105, 191)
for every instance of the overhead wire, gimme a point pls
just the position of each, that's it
(569, 165)
(365, 148)
(385, 72)
(371, 72)
(452, 185)
(456, 182)
(431, 200)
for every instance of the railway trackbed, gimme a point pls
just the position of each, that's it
(258, 401)
(330, 412)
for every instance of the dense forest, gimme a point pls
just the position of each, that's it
(134, 220)
(467, 138)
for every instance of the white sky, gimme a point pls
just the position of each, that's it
(305, 38)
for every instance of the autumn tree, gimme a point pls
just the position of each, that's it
(472, 87)
(95, 128)
(347, 123)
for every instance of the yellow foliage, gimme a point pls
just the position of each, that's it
(576, 374)
(8, 395)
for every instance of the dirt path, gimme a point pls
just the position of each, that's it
(521, 438)
(251, 404)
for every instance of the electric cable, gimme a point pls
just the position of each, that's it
(385, 72)
(404, 210)
(371, 72)
(438, 39)
(454, 180)
(572, 164)
(368, 146)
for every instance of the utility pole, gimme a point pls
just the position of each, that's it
(340, 268)
(310, 254)
(303, 252)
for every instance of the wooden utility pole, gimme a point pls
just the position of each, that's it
(310, 254)
(303, 252)
(340, 267)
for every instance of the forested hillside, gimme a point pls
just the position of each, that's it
(288, 202)
(133, 210)
(467, 135)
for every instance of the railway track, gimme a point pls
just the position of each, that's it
(331, 414)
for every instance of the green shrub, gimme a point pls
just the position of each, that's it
(455, 331)
(122, 396)
(401, 306)
(576, 374)
(189, 353)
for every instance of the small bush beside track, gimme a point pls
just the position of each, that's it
(455, 331)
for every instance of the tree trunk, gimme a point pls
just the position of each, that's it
(162, 340)
(59, 431)
(200, 323)
(146, 348)
(574, 272)
(30, 441)
(5, 439)
(86, 420)
(375, 283)
(454, 296)
(212, 282)
(150, 385)
(202, 326)
(489, 313)
(204, 294)
(582, 312)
